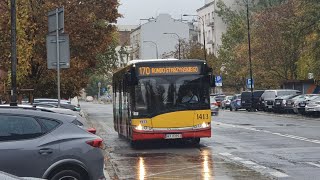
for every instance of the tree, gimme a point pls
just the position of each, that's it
(87, 23)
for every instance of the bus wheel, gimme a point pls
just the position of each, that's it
(134, 144)
(195, 141)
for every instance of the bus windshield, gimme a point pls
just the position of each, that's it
(157, 95)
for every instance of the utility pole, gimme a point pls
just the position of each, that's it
(13, 54)
(250, 61)
(179, 41)
(156, 45)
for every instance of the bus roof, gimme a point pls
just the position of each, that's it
(162, 60)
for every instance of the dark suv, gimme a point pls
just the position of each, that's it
(246, 100)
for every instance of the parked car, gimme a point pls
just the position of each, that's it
(219, 98)
(246, 100)
(214, 106)
(313, 107)
(225, 104)
(42, 100)
(301, 102)
(79, 121)
(269, 96)
(281, 103)
(235, 102)
(41, 144)
(55, 105)
(89, 99)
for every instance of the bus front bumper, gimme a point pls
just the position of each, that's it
(138, 136)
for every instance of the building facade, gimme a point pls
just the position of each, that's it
(124, 48)
(214, 27)
(149, 41)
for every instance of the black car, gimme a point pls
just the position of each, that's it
(280, 103)
(246, 100)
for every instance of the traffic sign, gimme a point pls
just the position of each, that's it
(52, 21)
(249, 81)
(64, 51)
(218, 81)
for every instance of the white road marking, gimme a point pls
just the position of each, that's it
(237, 159)
(274, 133)
(313, 164)
(279, 174)
(255, 166)
(248, 162)
(225, 154)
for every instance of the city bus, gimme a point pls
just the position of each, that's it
(163, 99)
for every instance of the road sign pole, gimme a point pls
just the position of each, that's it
(58, 55)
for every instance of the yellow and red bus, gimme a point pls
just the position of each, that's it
(163, 99)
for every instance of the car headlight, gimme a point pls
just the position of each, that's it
(201, 126)
(143, 128)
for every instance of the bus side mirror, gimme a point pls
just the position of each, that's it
(212, 80)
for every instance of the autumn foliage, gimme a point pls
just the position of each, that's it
(88, 24)
(284, 39)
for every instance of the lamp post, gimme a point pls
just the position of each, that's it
(99, 87)
(13, 54)
(249, 49)
(157, 53)
(204, 34)
(179, 41)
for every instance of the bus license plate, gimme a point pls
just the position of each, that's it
(173, 136)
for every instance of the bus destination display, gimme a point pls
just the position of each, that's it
(168, 70)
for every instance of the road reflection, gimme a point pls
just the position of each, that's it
(142, 169)
(193, 165)
(207, 162)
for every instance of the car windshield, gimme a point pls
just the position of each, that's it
(155, 95)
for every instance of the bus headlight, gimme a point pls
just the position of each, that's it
(139, 127)
(201, 126)
(143, 128)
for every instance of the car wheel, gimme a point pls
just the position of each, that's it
(67, 175)
(237, 109)
(231, 109)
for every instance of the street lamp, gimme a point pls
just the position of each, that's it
(179, 41)
(155, 46)
(204, 34)
(249, 48)
(99, 87)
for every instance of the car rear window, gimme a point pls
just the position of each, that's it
(49, 124)
(77, 122)
(18, 128)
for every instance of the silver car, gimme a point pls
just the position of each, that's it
(36, 143)
(214, 106)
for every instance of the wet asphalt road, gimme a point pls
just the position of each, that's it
(243, 146)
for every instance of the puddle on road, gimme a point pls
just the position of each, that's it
(195, 164)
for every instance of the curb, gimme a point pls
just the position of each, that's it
(105, 172)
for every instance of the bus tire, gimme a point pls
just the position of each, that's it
(134, 144)
(195, 141)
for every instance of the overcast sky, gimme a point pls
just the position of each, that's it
(134, 10)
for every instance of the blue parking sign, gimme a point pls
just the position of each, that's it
(249, 81)
(218, 81)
